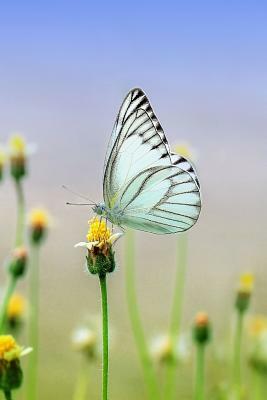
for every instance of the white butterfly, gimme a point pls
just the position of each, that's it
(145, 186)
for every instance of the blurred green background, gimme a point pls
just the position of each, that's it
(65, 68)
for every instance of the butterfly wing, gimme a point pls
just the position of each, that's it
(161, 200)
(140, 173)
(184, 164)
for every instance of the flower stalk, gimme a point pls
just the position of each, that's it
(20, 214)
(16, 269)
(105, 336)
(38, 225)
(4, 305)
(199, 379)
(137, 328)
(176, 315)
(32, 372)
(101, 261)
(201, 337)
(82, 384)
(242, 303)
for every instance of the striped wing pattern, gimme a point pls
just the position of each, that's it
(154, 190)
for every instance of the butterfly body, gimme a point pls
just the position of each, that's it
(145, 185)
(113, 215)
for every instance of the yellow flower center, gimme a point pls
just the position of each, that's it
(98, 231)
(183, 150)
(258, 325)
(2, 158)
(8, 346)
(246, 283)
(39, 218)
(16, 306)
(17, 144)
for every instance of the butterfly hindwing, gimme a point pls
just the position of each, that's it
(161, 200)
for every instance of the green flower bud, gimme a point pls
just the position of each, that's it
(244, 292)
(242, 301)
(11, 375)
(201, 328)
(18, 264)
(99, 262)
(38, 224)
(18, 158)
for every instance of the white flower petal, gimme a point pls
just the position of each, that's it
(81, 244)
(26, 351)
(113, 238)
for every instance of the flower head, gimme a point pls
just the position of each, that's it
(201, 328)
(257, 325)
(18, 150)
(10, 370)
(9, 349)
(2, 161)
(164, 349)
(39, 221)
(17, 145)
(258, 352)
(18, 263)
(185, 150)
(86, 339)
(244, 291)
(100, 240)
(246, 283)
(16, 310)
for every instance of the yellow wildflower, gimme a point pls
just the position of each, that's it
(2, 158)
(16, 306)
(246, 283)
(100, 259)
(184, 150)
(17, 145)
(258, 325)
(201, 328)
(39, 218)
(98, 231)
(39, 221)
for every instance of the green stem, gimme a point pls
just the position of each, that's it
(82, 382)
(8, 293)
(257, 386)
(105, 337)
(199, 378)
(32, 375)
(176, 314)
(137, 328)
(8, 395)
(20, 214)
(237, 354)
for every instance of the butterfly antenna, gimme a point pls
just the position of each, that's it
(79, 204)
(79, 195)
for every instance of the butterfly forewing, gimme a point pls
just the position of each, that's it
(154, 190)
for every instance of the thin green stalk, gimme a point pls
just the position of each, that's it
(82, 382)
(8, 293)
(105, 337)
(32, 375)
(176, 314)
(137, 328)
(199, 378)
(20, 214)
(237, 354)
(257, 386)
(8, 395)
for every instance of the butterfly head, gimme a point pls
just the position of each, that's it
(100, 209)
